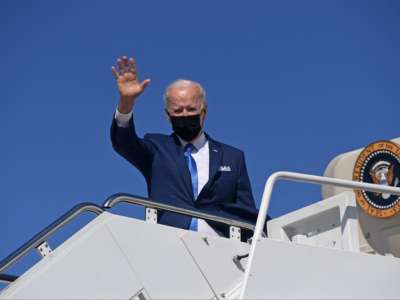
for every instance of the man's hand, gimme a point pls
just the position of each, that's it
(128, 84)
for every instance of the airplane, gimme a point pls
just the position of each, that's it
(346, 246)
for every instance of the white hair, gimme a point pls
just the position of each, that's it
(184, 83)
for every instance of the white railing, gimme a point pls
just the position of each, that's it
(291, 176)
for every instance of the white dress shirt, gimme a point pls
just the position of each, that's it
(201, 155)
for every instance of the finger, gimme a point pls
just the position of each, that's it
(132, 67)
(125, 63)
(132, 64)
(145, 83)
(120, 66)
(115, 72)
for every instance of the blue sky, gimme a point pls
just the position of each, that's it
(292, 83)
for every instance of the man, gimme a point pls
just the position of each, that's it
(188, 168)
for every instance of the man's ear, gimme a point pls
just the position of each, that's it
(205, 108)
(203, 121)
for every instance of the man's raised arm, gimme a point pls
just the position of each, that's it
(124, 139)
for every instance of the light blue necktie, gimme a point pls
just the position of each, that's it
(193, 174)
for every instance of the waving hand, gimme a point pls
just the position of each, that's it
(128, 83)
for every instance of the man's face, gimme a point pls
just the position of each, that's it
(185, 101)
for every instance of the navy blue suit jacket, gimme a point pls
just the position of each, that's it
(160, 159)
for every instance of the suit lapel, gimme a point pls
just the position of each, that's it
(215, 161)
(181, 165)
(215, 153)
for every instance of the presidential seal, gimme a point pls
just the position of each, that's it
(378, 163)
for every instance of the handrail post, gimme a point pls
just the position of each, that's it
(266, 198)
(151, 215)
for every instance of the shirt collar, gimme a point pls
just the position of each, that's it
(199, 142)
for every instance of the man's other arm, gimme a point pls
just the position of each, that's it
(244, 195)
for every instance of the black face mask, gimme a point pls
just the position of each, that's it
(187, 128)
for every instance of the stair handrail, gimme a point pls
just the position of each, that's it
(43, 235)
(111, 201)
(133, 199)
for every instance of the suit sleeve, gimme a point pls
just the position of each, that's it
(244, 195)
(139, 152)
(245, 198)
